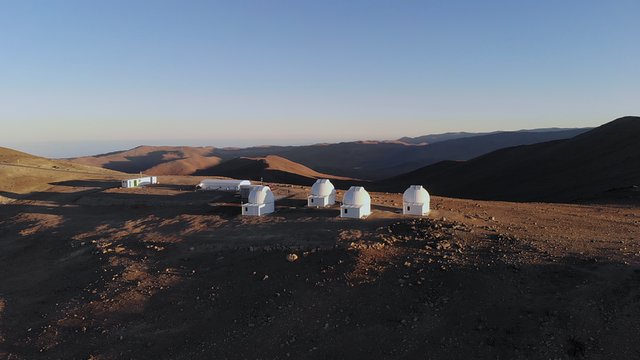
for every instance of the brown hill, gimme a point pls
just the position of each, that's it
(22, 173)
(598, 164)
(185, 166)
(155, 160)
(270, 168)
(359, 159)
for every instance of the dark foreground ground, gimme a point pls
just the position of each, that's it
(89, 272)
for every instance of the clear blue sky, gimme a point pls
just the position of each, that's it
(222, 73)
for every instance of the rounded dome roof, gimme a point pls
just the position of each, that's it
(356, 195)
(415, 194)
(260, 195)
(322, 187)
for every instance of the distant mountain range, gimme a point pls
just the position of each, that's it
(601, 163)
(434, 138)
(555, 165)
(367, 160)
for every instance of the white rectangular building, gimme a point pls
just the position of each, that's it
(142, 181)
(229, 185)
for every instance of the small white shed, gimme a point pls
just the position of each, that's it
(261, 202)
(147, 180)
(415, 201)
(323, 193)
(229, 185)
(356, 203)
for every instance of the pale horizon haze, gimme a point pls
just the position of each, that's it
(87, 77)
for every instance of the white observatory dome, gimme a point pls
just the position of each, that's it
(261, 195)
(356, 196)
(322, 187)
(416, 194)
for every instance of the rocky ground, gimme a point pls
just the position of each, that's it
(90, 271)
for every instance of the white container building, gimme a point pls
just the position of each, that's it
(147, 180)
(229, 185)
(356, 203)
(323, 193)
(261, 202)
(415, 201)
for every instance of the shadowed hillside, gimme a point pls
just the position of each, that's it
(22, 173)
(361, 159)
(599, 164)
(155, 160)
(271, 169)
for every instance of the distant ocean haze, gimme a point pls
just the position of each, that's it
(69, 149)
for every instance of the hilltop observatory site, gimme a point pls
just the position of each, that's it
(312, 180)
(275, 258)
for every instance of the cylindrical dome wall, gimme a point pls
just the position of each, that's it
(322, 187)
(261, 195)
(415, 194)
(356, 195)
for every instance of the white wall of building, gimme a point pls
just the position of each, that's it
(142, 181)
(229, 185)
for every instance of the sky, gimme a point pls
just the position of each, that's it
(84, 77)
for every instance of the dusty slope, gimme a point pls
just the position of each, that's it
(598, 164)
(378, 160)
(155, 160)
(360, 159)
(186, 166)
(22, 173)
(160, 274)
(270, 168)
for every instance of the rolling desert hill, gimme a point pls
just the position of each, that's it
(601, 163)
(270, 168)
(361, 159)
(22, 173)
(155, 160)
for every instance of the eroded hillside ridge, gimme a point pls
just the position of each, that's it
(361, 159)
(597, 165)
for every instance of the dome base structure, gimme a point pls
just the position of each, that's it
(419, 209)
(355, 211)
(321, 201)
(257, 209)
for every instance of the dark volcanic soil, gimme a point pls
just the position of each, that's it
(93, 272)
